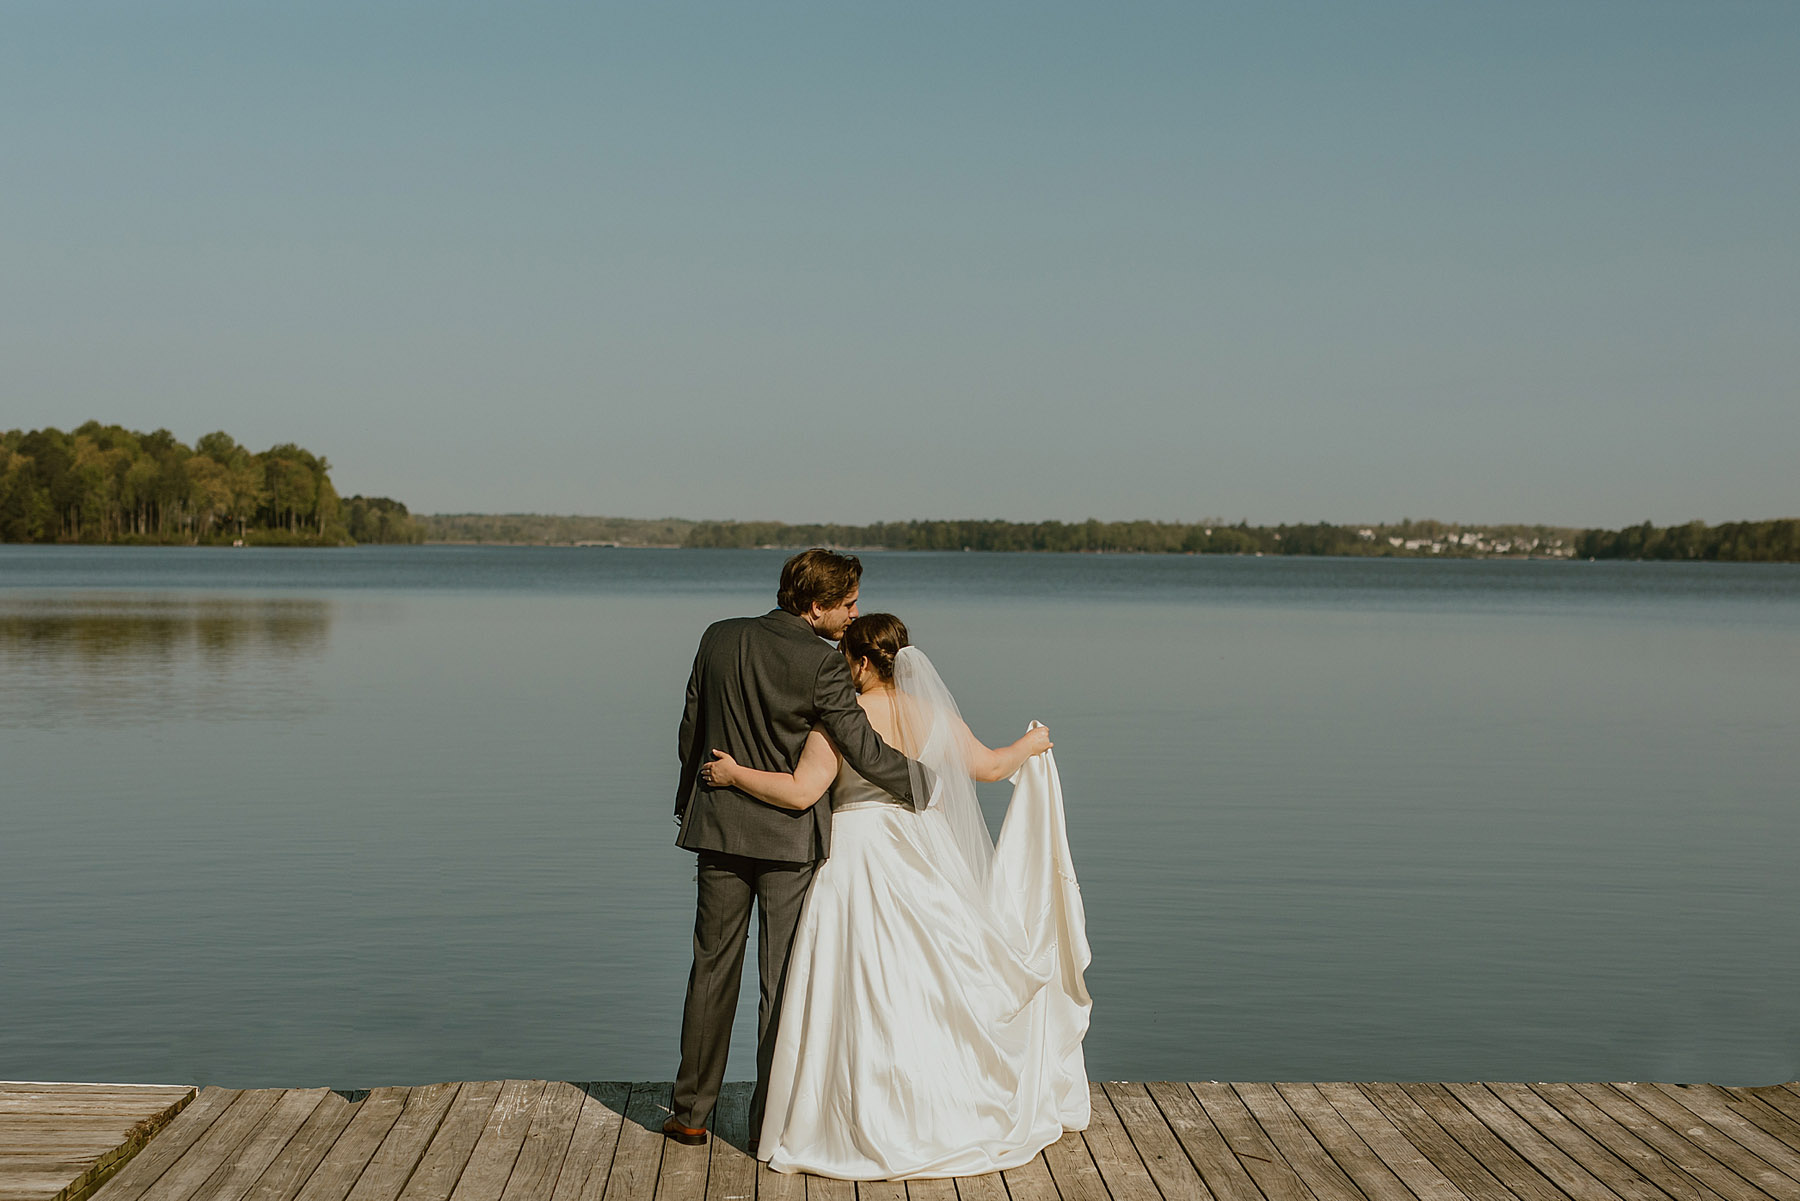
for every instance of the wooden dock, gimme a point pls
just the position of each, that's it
(59, 1142)
(523, 1140)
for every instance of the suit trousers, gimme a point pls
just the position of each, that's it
(728, 884)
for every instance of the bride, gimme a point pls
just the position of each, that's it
(934, 1005)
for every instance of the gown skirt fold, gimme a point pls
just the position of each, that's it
(932, 1022)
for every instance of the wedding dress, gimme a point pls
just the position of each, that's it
(934, 1008)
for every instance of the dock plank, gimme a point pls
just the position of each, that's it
(989, 1187)
(1772, 1121)
(351, 1151)
(1412, 1163)
(638, 1158)
(441, 1165)
(730, 1172)
(1644, 1159)
(1576, 1142)
(76, 1089)
(1300, 1141)
(149, 1164)
(1434, 1142)
(684, 1170)
(1539, 1151)
(1516, 1174)
(1776, 1097)
(22, 1129)
(1345, 1147)
(588, 1165)
(1027, 1182)
(1259, 1156)
(502, 1139)
(1676, 1146)
(27, 1100)
(1155, 1140)
(245, 1165)
(546, 1143)
(283, 1178)
(779, 1186)
(1705, 1105)
(215, 1147)
(1121, 1168)
(42, 1181)
(1073, 1170)
(1218, 1167)
(1301, 1148)
(405, 1143)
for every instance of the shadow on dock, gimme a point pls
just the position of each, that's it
(522, 1140)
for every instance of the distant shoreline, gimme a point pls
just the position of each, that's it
(1764, 541)
(877, 550)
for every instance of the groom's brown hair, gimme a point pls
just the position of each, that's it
(817, 575)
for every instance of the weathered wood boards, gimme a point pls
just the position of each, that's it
(59, 1142)
(521, 1140)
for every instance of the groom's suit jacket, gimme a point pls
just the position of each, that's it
(759, 686)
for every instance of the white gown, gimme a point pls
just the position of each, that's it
(932, 1026)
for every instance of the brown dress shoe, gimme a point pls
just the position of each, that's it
(684, 1134)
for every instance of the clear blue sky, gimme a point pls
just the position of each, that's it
(1347, 261)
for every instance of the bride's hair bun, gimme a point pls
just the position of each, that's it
(877, 637)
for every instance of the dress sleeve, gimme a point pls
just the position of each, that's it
(834, 698)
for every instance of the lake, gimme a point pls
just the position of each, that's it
(397, 815)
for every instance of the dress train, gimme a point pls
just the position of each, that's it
(932, 1023)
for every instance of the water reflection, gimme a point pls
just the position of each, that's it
(135, 657)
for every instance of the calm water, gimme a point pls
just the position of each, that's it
(400, 815)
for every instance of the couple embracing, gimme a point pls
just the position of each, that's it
(922, 1004)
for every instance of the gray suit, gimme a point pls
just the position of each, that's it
(759, 686)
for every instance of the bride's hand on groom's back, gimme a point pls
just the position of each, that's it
(719, 773)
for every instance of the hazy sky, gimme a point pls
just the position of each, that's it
(1506, 261)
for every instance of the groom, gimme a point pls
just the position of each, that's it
(759, 686)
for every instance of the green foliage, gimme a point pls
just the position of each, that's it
(537, 529)
(379, 519)
(1736, 541)
(104, 483)
(1408, 538)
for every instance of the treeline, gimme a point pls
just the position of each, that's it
(108, 484)
(379, 519)
(1745, 541)
(1151, 537)
(1734, 542)
(539, 529)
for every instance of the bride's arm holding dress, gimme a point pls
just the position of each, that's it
(989, 765)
